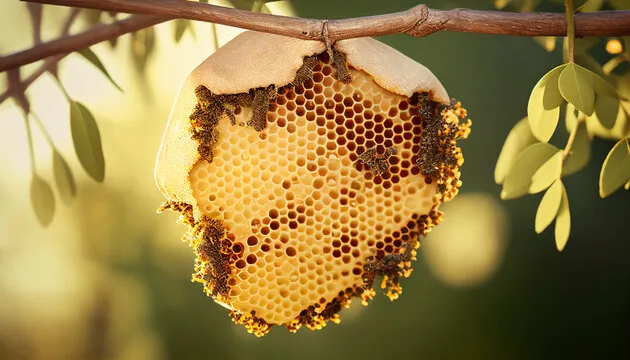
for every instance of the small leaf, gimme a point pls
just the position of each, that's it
(142, 47)
(548, 207)
(616, 168)
(180, 27)
(66, 186)
(90, 56)
(576, 87)
(580, 152)
(519, 179)
(87, 140)
(606, 110)
(43, 200)
(563, 221)
(543, 108)
(602, 87)
(517, 140)
(588, 62)
(590, 6)
(548, 172)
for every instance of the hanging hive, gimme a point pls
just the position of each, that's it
(303, 178)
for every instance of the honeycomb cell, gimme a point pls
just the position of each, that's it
(293, 218)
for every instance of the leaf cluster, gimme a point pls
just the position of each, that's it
(595, 103)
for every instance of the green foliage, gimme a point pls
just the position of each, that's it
(616, 168)
(549, 205)
(66, 186)
(87, 140)
(519, 138)
(142, 47)
(575, 86)
(596, 104)
(42, 199)
(519, 180)
(544, 103)
(180, 26)
(90, 56)
(580, 152)
(563, 222)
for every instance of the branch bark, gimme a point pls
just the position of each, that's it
(417, 21)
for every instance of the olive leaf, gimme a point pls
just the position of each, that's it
(43, 200)
(90, 56)
(580, 152)
(616, 168)
(563, 221)
(590, 6)
(66, 186)
(517, 140)
(142, 47)
(570, 118)
(518, 181)
(549, 206)
(576, 87)
(543, 108)
(87, 140)
(606, 110)
(546, 174)
(179, 29)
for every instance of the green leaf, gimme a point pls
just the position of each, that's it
(87, 140)
(602, 87)
(66, 186)
(606, 110)
(43, 200)
(548, 172)
(576, 87)
(590, 5)
(543, 108)
(563, 221)
(142, 47)
(588, 62)
(179, 29)
(580, 152)
(250, 5)
(90, 56)
(517, 140)
(548, 207)
(518, 180)
(616, 168)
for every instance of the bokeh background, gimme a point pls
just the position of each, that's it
(110, 279)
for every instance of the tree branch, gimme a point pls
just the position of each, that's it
(417, 21)
(68, 44)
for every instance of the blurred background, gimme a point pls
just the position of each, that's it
(110, 279)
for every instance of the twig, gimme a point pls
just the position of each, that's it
(71, 43)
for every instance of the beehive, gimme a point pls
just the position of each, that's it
(303, 177)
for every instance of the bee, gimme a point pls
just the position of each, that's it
(375, 161)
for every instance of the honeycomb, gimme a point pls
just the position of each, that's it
(305, 193)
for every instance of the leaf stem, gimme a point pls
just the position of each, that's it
(29, 135)
(41, 126)
(570, 15)
(569, 145)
